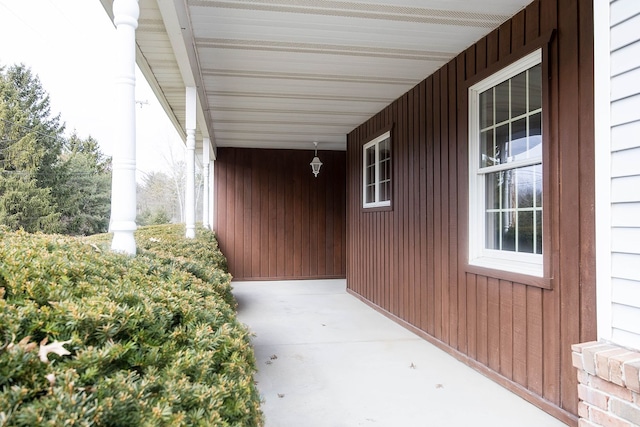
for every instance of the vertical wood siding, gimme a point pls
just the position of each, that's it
(411, 261)
(274, 220)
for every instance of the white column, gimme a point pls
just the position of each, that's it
(205, 181)
(123, 188)
(190, 196)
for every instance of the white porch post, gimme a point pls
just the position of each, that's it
(205, 181)
(190, 197)
(123, 189)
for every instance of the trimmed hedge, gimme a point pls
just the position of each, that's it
(200, 257)
(151, 343)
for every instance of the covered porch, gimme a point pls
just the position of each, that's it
(253, 84)
(325, 358)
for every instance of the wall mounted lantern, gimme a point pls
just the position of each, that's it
(315, 163)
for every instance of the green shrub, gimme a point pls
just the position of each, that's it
(150, 343)
(200, 256)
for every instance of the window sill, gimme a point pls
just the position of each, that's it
(387, 208)
(522, 273)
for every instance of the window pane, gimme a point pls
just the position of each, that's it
(525, 232)
(487, 149)
(525, 177)
(535, 88)
(518, 140)
(385, 149)
(538, 232)
(384, 170)
(537, 182)
(371, 193)
(492, 190)
(502, 144)
(509, 231)
(493, 230)
(519, 95)
(385, 191)
(535, 135)
(371, 175)
(371, 156)
(502, 102)
(508, 189)
(486, 108)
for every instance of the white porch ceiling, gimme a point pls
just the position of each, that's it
(285, 73)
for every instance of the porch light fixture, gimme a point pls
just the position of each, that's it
(315, 163)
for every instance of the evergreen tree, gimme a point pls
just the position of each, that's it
(30, 145)
(47, 183)
(84, 188)
(24, 205)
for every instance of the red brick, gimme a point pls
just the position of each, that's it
(576, 358)
(615, 365)
(625, 410)
(611, 388)
(589, 356)
(593, 397)
(603, 369)
(583, 377)
(586, 423)
(583, 410)
(606, 419)
(578, 347)
(632, 375)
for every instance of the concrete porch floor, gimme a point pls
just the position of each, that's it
(326, 359)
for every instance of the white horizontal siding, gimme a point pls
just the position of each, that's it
(620, 34)
(625, 215)
(624, 317)
(624, 197)
(626, 241)
(625, 110)
(625, 189)
(625, 136)
(624, 291)
(621, 10)
(626, 59)
(625, 338)
(621, 83)
(625, 163)
(625, 266)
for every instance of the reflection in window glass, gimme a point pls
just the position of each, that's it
(535, 88)
(511, 131)
(486, 109)
(514, 211)
(501, 102)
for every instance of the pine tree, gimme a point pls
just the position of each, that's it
(47, 182)
(84, 188)
(30, 144)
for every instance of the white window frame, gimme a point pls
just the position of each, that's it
(375, 142)
(479, 255)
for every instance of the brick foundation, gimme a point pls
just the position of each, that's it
(608, 385)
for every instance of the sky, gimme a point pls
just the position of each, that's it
(69, 44)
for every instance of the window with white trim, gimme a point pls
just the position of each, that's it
(376, 173)
(505, 169)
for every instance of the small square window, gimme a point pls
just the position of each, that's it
(376, 174)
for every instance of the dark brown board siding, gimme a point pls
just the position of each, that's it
(411, 261)
(274, 220)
